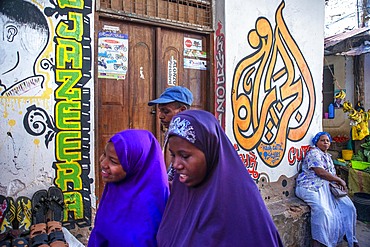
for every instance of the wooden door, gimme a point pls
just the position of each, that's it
(170, 46)
(123, 104)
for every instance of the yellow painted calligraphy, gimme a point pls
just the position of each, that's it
(273, 97)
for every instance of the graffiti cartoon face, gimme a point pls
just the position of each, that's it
(9, 58)
(23, 37)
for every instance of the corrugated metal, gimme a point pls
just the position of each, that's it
(357, 51)
(335, 39)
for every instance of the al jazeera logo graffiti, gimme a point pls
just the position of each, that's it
(70, 126)
(273, 95)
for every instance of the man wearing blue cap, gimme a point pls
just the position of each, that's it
(172, 101)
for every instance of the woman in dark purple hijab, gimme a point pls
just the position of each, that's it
(135, 193)
(214, 201)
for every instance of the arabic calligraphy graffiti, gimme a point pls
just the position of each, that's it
(273, 95)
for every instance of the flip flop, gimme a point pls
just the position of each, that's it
(24, 214)
(4, 208)
(56, 203)
(7, 224)
(39, 236)
(19, 242)
(56, 235)
(39, 206)
(6, 243)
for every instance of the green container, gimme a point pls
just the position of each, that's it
(359, 165)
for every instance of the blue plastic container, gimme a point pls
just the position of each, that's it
(331, 111)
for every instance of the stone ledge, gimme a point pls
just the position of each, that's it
(292, 219)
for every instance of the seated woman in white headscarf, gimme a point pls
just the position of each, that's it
(331, 218)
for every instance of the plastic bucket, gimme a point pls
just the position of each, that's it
(362, 204)
(347, 154)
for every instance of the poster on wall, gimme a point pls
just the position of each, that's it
(190, 63)
(195, 53)
(339, 95)
(194, 57)
(112, 55)
(192, 44)
(172, 72)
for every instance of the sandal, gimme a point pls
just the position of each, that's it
(39, 206)
(56, 235)
(56, 203)
(24, 214)
(38, 236)
(5, 243)
(7, 224)
(19, 242)
(4, 208)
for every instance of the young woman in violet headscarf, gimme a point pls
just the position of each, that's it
(135, 193)
(331, 218)
(214, 201)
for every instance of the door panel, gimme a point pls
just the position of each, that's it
(123, 104)
(172, 44)
(142, 78)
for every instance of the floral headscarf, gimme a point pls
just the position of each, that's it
(226, 208)
(318, 135)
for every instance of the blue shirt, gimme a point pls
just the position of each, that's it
(315, 158)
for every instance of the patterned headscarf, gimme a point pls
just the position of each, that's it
(226, 208)
(317, 137)
(130, 211)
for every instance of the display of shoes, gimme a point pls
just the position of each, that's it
(33, 222)
(9, 217)
(16, 222)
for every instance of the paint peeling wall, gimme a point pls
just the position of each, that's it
(273, 67)
(46, 101)
(342, 15)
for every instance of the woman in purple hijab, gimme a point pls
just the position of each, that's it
(214, 201)
(135, 193)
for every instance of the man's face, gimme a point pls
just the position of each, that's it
(168, 111)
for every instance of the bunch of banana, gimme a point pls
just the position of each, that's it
(340, 95)
(347, 106)
(366, 115)
(356, 116)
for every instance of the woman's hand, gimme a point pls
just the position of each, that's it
(322, 173)
(342, 184)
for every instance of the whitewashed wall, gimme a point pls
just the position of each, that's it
(274, 141)
(341, 16)
(46, 101)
